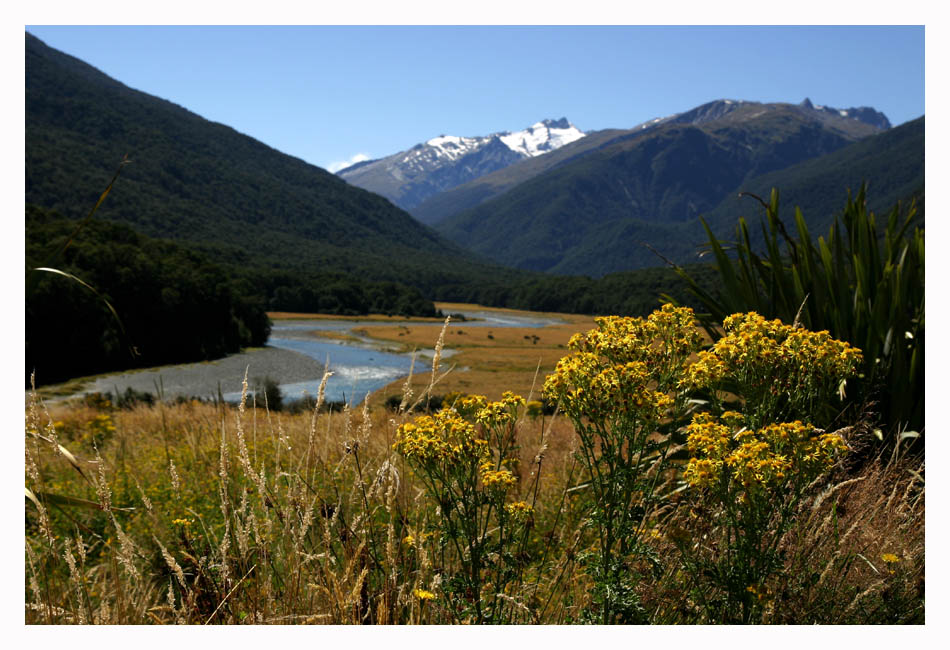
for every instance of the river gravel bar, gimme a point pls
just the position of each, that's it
(202, 379)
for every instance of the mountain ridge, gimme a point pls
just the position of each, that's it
(203, 182)
(467, 196)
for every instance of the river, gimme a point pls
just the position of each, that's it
(295, 358)
(360, 368)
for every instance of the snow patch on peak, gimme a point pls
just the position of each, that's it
(542, 137)
(453, 145)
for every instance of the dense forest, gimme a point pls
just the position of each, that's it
(171, 304)
(628, 293)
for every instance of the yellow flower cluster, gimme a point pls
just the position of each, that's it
(519, 510)
(619, 368)
(585, 384)
(754, 346)
(667, 331)
(707, 435)
(501, 413)
(755, 464)
(496, 479)
(423, 594)
(469, 405)
(756, 459)
(443, 437)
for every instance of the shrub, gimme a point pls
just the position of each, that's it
(622, 391)
(464, 458)
(267, 392)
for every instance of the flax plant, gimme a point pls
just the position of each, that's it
(622, 393)
(863, 282)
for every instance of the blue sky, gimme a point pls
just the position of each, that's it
(327, 94)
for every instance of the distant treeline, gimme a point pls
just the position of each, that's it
(335, 293)
(628, 293)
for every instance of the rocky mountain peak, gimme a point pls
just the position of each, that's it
(557, 124)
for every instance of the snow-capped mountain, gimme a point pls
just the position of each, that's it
(409, 177)
(739, 125)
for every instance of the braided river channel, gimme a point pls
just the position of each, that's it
(295, 357)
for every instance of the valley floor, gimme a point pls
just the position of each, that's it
(482, 358)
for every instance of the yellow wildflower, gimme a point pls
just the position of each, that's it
(501, 479)
(423, 594)
(519, 510)
(441, 438)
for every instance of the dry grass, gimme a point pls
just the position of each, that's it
(221, 511)
(311, 528)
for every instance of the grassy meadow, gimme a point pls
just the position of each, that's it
(665, 489)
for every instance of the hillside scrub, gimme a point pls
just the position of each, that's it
(724, 509)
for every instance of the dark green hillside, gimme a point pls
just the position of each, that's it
(667, 176)
(891, 163)
(593, 215)
(202, 182)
